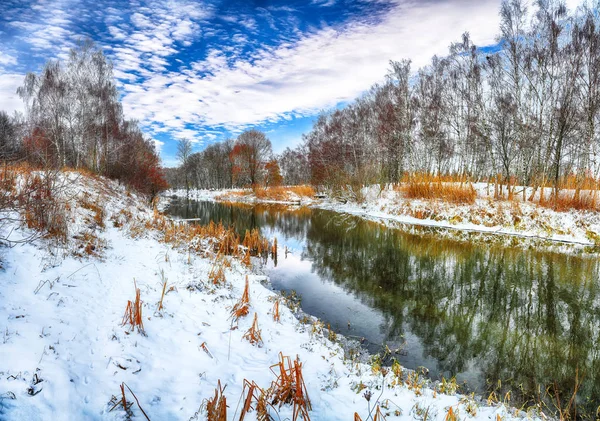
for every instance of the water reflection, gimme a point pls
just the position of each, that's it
(479, 312)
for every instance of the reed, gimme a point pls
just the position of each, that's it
(241, 308)
(289, 387)
(216, 407)
(253, 334)
(423, 186)
(133, 314)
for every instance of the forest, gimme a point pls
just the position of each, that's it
(522, 112)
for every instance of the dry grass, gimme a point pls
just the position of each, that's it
(88, 244)
(204, 348)
(252, 392)
(162, 296)
(216, 407)
(303, 190)
(43, 211)
(276, 316)
(567, 200)
(133, 314)
(283, 194)
(421, 186)
(241, 308)
(451, 415)
(289, 387)
(253, 334)
(98, 211)
(125, 404)
(271, 193)
(217, 274)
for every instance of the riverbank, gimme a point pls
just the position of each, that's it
(488, 216)
(66, 351)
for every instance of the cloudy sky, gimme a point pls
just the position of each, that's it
(206, 70)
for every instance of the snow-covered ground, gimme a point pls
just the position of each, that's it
(64, 353)
(486, 215)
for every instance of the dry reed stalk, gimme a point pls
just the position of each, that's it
(241, 308)
(379, 415)
(133, 314)
(205, 349)
(217, 275)
(253, 334)
(246, 260)
(276, 316)
(303, 190)
(450, 415)
(252, 392)
(127, 405)
(216, 407)
(289, 387)
(162, 295)
(422, 186)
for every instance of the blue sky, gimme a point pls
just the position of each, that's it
(207, 70)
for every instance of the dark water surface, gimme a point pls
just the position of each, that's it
(488, 315)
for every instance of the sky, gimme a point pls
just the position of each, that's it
(207, 70)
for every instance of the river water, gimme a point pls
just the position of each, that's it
(498, 318)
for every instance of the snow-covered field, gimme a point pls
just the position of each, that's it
(486, 215)
(64, 353)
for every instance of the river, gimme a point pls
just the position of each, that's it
(497, 318)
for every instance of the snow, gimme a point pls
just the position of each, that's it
(64, 352)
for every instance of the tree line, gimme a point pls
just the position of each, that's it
(247, 161)
(525, 114)
(73, 118)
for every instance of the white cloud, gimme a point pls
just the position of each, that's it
(321, 69)
(9, 100)
(7, 59)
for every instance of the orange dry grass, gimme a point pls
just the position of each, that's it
(240, 309)
(162, 296)
(253, 334)
(133, 314)
(216, 407)
(289, 387)
(96, 208)
(253, 392)
(217, 275)
(221, 240)
(255, 243)
(271, 193)
(281, 193)
(276, 316)
(567, 200)
(450, 415)
(429, 187)
(303, 190)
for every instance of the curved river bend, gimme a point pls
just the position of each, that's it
(497, 318)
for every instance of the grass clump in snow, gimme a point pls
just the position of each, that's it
(216, 407)
(241, 308)
(253, 334)
(289, 387)
(133, 314)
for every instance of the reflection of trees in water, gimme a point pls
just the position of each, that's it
(523, 317)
